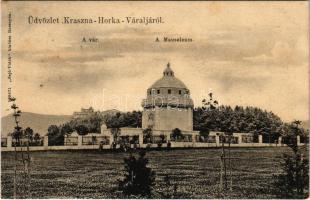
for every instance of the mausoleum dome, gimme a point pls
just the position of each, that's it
(168, 91)
(168, 80)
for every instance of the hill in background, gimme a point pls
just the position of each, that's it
(38, 122)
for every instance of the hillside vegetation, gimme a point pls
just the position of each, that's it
(224, 118)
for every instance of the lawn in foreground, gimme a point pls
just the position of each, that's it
(93, 174)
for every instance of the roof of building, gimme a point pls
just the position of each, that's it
(168, 80)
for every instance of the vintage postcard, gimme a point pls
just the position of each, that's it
(155, 99)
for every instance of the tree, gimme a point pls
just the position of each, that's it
(147, 135)
(135, 139)
(16, 135)
(37, 138)
(210, 104)
(55, 137)
(29, 134)
(294, 178)
(239, 119)
(203, 134)
(94, 122)
(139, 179)
(177, 134)
(81, 129)
(52, 130)
(66, 129)
(162, 138)
(116, 132)
(93, 140)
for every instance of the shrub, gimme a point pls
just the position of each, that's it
(168, 145)
(177, 134)
(294, 179)
(159, 145)
(55, 137)
(147, 135)
(139, 179)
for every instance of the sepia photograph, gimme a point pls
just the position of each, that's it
(155, 100)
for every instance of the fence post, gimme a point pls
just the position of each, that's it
(168, 137)
(140, 140)
(239, 139)
(260, 139)
(111, 139)
(9, 141)
(80, 139)
(65, 140)
(280, 140)
(217, 140)
(45, 141)
(298, 140)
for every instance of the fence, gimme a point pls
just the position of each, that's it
(247, 139)
(159, 139)
(105, 142)
(184, 138)
(71, 141)
(231, 139)
(205, 139)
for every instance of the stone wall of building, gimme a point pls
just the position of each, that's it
(168, 118)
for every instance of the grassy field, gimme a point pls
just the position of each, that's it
(91, 174)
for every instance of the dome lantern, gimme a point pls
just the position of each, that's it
(168, 80)
(168, 71)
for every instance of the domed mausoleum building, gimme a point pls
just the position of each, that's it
(167, 106)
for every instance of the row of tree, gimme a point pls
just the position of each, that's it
(92, 124)
(223, 118)
(34, 139)
(239, 119)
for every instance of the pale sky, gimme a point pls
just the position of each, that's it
(248, 53)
